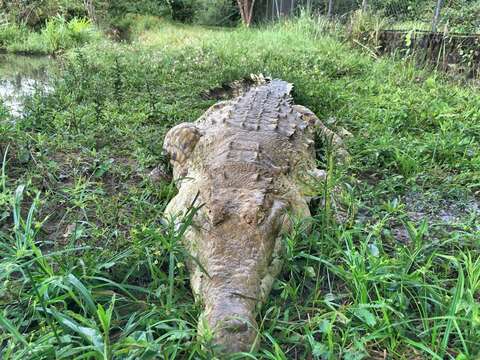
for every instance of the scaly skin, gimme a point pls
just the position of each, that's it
(247, 162)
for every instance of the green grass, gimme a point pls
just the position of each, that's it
(89, 270)
(57, 35)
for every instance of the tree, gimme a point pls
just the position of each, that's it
(246, 11)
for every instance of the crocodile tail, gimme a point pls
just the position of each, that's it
(280, 88)
(241, 87)
(236, 88)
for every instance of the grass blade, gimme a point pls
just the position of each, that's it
(84, 293)
(7, 325)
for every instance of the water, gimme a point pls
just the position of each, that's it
(20, 77)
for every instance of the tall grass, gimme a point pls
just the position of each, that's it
(58, 34)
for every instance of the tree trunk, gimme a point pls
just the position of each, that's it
(246, 11)
(90, 9)
(364, 5)
(330, 8)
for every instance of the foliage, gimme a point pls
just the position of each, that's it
(456, 15)
(365, 22)
(463, 16)
(216, 12)
(11, 33)
(88, 268)
(403, 9)
(205, 12)
(119, 8)
(139, 24)
(123, 15)
(35, 13)
(182, 10)
(58, 34)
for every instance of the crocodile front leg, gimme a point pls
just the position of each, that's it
(328, 136)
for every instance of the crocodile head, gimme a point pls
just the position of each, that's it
(236, 248)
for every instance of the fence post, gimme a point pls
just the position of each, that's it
(436, 15)
(90, 9)
(330, 9)
(364, 5)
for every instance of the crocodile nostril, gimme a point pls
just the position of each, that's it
(236, 326)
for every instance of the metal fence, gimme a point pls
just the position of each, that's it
(461, 16)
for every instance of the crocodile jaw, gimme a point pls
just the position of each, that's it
(232, 323)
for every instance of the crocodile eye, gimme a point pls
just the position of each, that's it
(260, 216)
(248, 219)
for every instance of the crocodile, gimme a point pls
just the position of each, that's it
(246, 164)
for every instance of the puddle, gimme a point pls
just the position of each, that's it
(440, 212)
(20, 77)
(443, 211)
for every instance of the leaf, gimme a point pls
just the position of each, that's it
(84, 293)
(19, 192)
(310, 272)
(366, 316)
(457, 297)
(105, 317)
(324, 326)
(103, 168)
(102, 316)
(422, 347)
(320, 350)
(90, 334)
(7, 325)
(177, 334)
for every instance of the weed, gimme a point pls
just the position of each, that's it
(57, 34)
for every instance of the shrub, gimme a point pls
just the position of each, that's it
(59, 34)
(33, 43)
(141, 23)
(182, 10)
(35, 13)
(362, 22)
(11, 33)
(216, 12)
(81, 30)
(463, 16)
(119, 8)
(402, 9)
(56, 33)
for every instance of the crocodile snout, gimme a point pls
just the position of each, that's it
(234, 327)
(234, 334)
